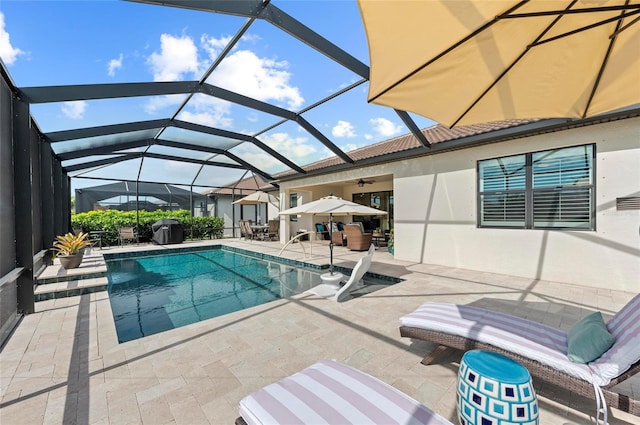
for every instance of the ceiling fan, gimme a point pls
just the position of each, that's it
(362, 182)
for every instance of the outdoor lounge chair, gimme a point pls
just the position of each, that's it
(338, 293)
(542, 349)
(329, 392)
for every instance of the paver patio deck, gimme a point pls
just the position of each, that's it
(64, 365)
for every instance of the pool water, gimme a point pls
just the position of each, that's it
(152, 294)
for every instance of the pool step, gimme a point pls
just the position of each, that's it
(92, 266)
(70, 288)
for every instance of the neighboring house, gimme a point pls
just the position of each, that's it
(220, 204)
(557, 200)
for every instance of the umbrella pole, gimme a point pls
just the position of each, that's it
(331, 243)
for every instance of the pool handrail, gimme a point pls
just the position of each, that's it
(297, 237)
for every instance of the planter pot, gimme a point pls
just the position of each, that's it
(390, 249)
(70, 261)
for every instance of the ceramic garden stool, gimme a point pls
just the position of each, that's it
(494, 390)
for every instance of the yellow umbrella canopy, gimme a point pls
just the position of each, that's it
(463, 62)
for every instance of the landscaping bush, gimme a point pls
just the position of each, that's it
(110, 221)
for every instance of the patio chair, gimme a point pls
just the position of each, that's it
(248, 231)
(338, 293)
(357, 239)
(337, 234)
(542, 349)
(243, 231)
(274, 230)
(126, 235)
(322, 232)
(329, 392)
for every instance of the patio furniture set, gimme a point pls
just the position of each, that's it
(354, 237)
(502, 353)
(264, 232)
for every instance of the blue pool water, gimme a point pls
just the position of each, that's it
(152, 294)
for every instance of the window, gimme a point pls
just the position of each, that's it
(541, 190)
(293, 202)
(380, 200)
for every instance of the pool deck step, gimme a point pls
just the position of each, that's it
(57, 282)
(92, 266)
(70, 288)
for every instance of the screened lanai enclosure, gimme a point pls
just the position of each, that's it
(266, 95)
(127, 196)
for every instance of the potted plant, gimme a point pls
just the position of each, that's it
(390, 243)
(69, 249)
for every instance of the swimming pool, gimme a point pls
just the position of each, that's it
(157, 291)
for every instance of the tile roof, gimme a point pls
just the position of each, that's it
(435, 134)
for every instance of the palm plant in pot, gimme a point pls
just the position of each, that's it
(69, 249)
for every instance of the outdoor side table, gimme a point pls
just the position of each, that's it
(494, 390)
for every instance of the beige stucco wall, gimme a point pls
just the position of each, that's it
(444, 216)
(435, 213)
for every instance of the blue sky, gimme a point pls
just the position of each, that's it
(84, 42)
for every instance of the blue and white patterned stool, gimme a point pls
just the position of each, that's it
(495, 390)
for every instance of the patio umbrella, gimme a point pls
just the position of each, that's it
(256, 198)
(332, 206)
(259, 197)
(465, 62)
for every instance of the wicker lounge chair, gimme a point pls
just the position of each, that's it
(542, 349)
(329, 392)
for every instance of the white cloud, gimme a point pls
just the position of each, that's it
(114, 64)
(207, 110)
(343, 129)
(242, 72)
(8, 53)
(350, 147)
(260, 160)
(259, 78)
(157, 103)
(384, 127)
(213, 46)
(74, 110)
(294, 148)
(178, 56)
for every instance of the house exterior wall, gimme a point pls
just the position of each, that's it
(436, 220)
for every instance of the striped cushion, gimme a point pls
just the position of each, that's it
(534, 340)
(625, 327)
(329, 392)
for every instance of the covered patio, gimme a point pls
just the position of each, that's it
(63, 364)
